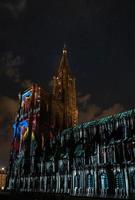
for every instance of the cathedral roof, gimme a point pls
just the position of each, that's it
(104, 120)
(107, 119)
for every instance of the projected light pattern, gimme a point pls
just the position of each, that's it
(52, 154)
(26, 101)
(96, 158)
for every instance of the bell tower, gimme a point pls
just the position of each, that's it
(64, 89)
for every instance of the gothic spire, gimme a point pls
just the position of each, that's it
(64, 63)
(64, 90)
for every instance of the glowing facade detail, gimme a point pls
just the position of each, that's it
(96, 158)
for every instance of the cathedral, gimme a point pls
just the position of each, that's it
(52, 153)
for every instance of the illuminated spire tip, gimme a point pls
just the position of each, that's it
(64, 49)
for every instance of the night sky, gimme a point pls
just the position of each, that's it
(100, 38)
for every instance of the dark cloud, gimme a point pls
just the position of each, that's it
(8, 106)
(92, 112)
(89, 111)
(115, 108)
(10, 66)
(26, 84)
(14, 8)
(8, 111)
(83, 99)
(13, 73)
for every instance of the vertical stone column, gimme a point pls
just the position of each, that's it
(73, 188)
(58, 182)
(85, 179)
(41, 168)
(81, 181)
(65, 183)
(114, 153)
(96, 180)
(23, 183)
(126, 180)
(98, 157)
(32, 164)
(28, 184)
(45, 182)
(40, 184)
(125, 170)
(104, 154)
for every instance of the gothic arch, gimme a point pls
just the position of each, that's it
(90, 181)
(77, 181)
(119, 180)
(103, 179)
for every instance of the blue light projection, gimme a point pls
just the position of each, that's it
(18, 127)
(27, 94)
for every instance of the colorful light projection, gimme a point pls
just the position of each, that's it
(26, 101)
(33, 135)
(34, 126)
(21, 130)
(27, 123)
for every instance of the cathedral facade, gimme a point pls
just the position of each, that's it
(52, 153)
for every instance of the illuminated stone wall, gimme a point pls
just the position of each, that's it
(96, 158)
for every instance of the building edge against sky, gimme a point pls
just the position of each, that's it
(51, 153)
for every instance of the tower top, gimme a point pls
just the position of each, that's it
(64, 63)
(64, 49)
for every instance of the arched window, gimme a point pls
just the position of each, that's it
(104, 181)
(119, 179)
(90, 181)
(77, 181)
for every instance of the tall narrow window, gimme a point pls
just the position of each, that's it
(120, 183)
(90, 181)
(77, 181)
(104, 181)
